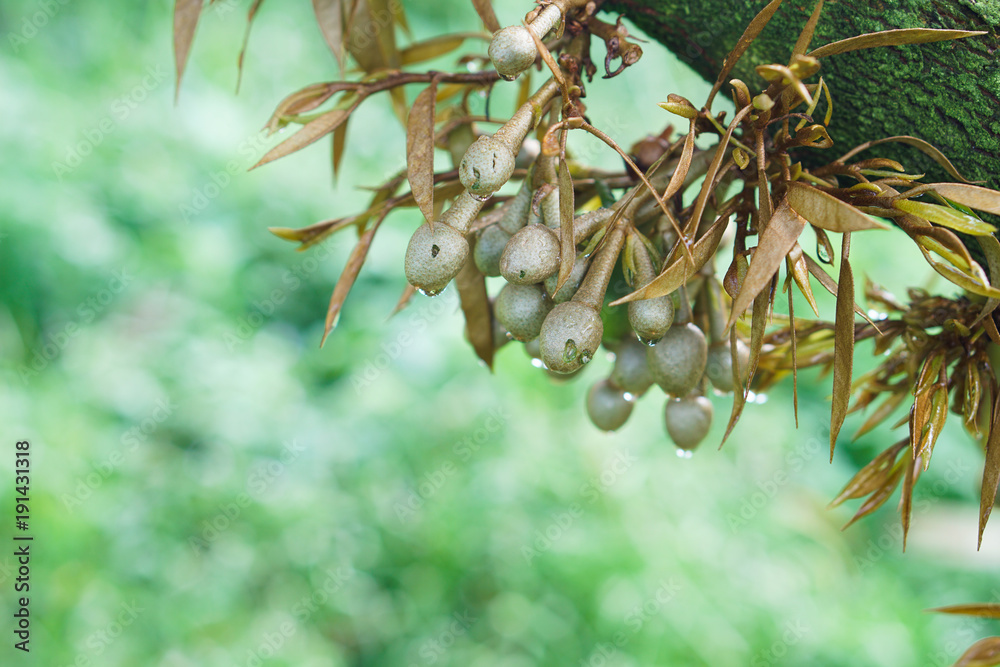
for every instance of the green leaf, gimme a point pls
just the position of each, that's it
(946, 217)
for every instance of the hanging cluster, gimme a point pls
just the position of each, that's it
(674, 262)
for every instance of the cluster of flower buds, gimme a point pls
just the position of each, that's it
(561, 326)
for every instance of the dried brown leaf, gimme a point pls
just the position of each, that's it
(911, 472)
(749, 35)
(338, 146)
(678, 272)
(991, 251)
(984, 653)
(567, 243)
(980, 609)
(404, 299)
(775, 242)
(827, 212)
(878, 498)
(485, 10)
(915, 142)
(805, 37)
(991, 471)
(420, 150)
(348, 276)
(981, 199)
(311, 132)
(891, 38)
(330, 17)
(872, 476)
(429, 49)
(475, 302)
(246, 39)
(683, 164)
(880, 414)
(186, 14)
(843, 356)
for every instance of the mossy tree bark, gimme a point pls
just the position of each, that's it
(946, 93)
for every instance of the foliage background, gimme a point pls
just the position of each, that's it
(201, 470)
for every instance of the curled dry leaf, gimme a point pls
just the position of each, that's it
(420, 151)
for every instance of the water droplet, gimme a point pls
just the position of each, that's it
(480, 197)
(647, 341)
(435, 249)
(823, 253)
(629, 397)
(537, 363)
(430, 292)
(585, 357)
(569, 352)
(684, 453)
(507, 77)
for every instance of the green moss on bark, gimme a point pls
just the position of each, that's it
(946, 93)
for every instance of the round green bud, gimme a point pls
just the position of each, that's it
(607, 406)
(434, 258)
(631, 372)
(650, 318)
(486, 166)
(512, 51)
(570, 336)
(720, 364)
(521, 309)
(531, 256)
(572, 284)
(678, 360)
(688, 420)
(534, 349)
(488, 249)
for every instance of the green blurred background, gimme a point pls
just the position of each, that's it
(210, 488)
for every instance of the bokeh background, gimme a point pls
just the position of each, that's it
(210, 488)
